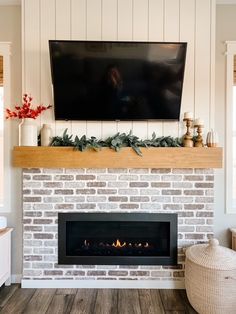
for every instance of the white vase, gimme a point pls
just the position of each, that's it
(46, 135)
(28, 134)
(212, 139)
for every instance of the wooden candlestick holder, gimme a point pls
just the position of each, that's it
(199, 139)
(188, 139)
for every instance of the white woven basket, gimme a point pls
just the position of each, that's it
(210, 278)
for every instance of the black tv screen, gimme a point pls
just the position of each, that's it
(97, 80)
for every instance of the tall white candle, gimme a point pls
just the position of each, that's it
(188, 115)
(198, 121)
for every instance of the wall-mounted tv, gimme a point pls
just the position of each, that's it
(98, 80)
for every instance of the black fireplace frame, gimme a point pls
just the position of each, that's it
(171, 259)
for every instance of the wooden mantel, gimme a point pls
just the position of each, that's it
(67, 157)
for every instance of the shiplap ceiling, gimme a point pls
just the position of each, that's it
(18, 2)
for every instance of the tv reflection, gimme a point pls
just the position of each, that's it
(123, 97)
(114, 78)
(164, 88)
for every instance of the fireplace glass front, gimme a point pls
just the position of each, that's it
(117, 239)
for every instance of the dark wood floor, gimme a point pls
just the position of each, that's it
(15, 300)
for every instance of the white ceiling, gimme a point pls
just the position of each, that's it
(18, 2)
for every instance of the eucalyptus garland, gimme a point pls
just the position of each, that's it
(115, 142)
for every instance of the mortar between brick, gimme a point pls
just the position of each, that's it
(188, 192)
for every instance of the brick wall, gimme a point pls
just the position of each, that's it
(188, 192)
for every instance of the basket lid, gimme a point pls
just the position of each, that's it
(212, 255)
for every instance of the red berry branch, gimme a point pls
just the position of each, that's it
(26, 110)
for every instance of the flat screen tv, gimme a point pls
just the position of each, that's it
(97, 80)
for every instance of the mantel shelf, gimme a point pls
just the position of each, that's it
(168, 157)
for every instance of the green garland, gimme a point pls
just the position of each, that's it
(115, 142)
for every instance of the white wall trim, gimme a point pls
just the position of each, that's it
(230, 52)
(104, 284)
(16, 278)
(5, 51)
(212, 67)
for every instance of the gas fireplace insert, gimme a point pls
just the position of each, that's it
(117, 239)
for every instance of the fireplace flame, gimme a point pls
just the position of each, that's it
(118, 243)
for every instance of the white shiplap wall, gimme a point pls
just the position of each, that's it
(139, 20)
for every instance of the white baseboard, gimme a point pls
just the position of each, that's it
(104, 284)
(16, 278)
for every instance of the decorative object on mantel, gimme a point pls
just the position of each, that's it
(210, 278)
(212, 139)
(3, 222)
(115, 142)
(28, 132)
(46, 135)
(28, 127)
(199, 124)
(188, 139)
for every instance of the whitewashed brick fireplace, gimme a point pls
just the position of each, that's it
(187, 192)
